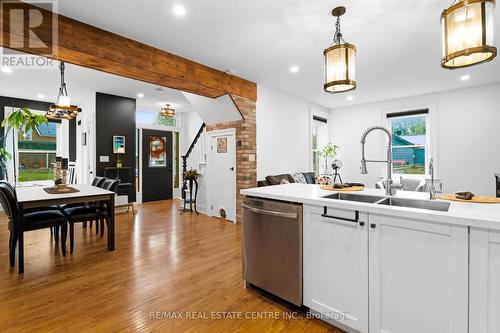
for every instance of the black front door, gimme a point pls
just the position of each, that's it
(156, 165)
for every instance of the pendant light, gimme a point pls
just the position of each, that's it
(467, 29)
(167, 111)
(340, 74)
(62, 109)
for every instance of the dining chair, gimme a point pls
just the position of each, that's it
(98, 181)
(53, 229)
(32, 221)
(91, 212)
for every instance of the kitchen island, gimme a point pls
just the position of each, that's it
(383, 267)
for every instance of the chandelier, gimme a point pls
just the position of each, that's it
(340, 74)
(467, 29)
(167, 111)
(62, 109)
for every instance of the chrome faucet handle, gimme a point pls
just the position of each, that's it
(432, 190)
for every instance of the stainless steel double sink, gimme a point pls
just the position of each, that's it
(392, 201)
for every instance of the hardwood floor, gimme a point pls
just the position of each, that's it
(165, 264)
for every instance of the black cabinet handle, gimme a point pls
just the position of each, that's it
(355, 220)
(361, 223)
(373, 225)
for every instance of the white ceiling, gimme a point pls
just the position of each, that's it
(399, 42)
(82, 83)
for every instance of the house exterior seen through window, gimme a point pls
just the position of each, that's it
(409, 144)
(37, 153)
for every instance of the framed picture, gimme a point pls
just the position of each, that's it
(222, 145)
(157, 151)
(118, 144)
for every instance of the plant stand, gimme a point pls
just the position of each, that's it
(191, 201)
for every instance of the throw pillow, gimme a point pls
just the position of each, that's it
(299, 178)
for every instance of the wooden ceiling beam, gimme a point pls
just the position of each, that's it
(88, 46)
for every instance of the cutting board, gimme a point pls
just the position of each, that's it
(475, 199)
(345, 189)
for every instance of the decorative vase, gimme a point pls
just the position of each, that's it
(119, 164)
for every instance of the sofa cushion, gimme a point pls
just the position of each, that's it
(298, 178)
(310, 177)
(276, 180)
(262, 183)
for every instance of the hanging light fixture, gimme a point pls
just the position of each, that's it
(167, 111)
(62, 109)
(467, 28)
(340, 74)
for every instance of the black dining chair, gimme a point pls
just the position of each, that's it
(32, 221)
(53, 229)
(91, 212)
(98, 181)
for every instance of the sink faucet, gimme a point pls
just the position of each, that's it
(432, 191)
(388, 181)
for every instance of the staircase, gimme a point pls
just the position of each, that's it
(195, 157)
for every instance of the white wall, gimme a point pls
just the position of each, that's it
(283, 132)
(465, 131)
(191, 123)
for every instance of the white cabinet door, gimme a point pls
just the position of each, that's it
(336, 265)
(418, 276)
(484, 296)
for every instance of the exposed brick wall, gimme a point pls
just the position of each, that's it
(246, 148)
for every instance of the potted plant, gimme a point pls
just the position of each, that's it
(119, 163)
(328, 152)
(191, 174)
(23, 120)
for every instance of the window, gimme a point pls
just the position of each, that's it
(37, 153)
(319, 140)
(410, 142)
(154, 118)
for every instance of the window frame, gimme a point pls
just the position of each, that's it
(18, 151)
(431, 135)
(320, 117)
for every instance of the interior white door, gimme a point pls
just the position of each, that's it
(418, 276)
(484, 305)
(222, 175)
(336, 265)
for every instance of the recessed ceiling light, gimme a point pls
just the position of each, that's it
(40, 96)
(7, 70)
(140, 95)
(294, 69)
(179, 10)
(465, 77)
(349, 98)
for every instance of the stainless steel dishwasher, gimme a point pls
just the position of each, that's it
(272, 247)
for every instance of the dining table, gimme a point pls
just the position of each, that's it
(36, 196)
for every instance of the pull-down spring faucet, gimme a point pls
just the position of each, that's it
(364, 170)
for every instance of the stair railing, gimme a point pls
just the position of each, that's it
(186, 156)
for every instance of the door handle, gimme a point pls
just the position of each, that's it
(270, 212)
(231, 168)
(355, 220)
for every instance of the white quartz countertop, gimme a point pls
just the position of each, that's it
(460, 213)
